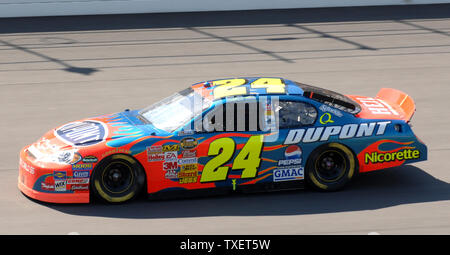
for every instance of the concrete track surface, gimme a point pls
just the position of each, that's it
(55, 70)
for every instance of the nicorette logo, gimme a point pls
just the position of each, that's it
(376, 157)
(84, 133)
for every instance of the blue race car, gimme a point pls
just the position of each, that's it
(227, 135)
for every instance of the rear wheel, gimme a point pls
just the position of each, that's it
(330, 167)
(117, 179)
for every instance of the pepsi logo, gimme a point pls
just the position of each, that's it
(293, 152)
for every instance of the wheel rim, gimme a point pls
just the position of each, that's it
(117, 177)
(330, 166)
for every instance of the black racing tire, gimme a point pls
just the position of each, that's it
(330, 167)
(117, 179)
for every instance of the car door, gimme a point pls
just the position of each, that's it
(291, 114)
(229, 146)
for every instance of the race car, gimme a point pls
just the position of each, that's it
(222, 136)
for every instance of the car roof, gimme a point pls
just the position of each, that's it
(268, 86)
(246, 86)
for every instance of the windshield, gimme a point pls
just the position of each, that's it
(176, 110)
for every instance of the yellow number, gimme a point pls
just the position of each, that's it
(223, 149)
(233, 87)
(229, 87)
(272, 85)
(248, 158)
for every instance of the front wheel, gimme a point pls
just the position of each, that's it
(117, 179)
(330, 167)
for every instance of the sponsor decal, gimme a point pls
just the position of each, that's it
(188, 167)
(171, 147)
(185, 132)
(189, 176)
(315, 134)
(269, 116)
(47, 186)
(189, 154)
(78, 181)
(288, 174)
(293, 152)
(85, 166)
(59, 175)
(154, 149)
(170, 156)
(85, 133)
(60, 185)
(80, 174)
(80, 187)
(188, 143)
(326, 108)
(325, 119)
(90, 159)
(377, 106)
(170, 165)
(171, 174)
(154, 153)
(26, 167)
(386, 153)
(115, 151)
(184, 161)
(76, 156)
(293, 156)
(377, 157)
(155, 157)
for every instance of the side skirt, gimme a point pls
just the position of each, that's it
(254, 188)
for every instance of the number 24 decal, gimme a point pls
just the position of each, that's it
(233, 87)
(223, 149)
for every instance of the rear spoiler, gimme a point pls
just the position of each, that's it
(399, 100)
(387, 104)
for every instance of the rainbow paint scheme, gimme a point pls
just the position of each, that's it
(374, 135)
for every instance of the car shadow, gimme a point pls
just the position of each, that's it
(371, 191)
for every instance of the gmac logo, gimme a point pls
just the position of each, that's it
(84, 133)
(288, 174)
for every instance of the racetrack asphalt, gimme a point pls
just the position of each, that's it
(55, 70)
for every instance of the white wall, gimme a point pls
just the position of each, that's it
(24, 8)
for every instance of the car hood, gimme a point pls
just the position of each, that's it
(113, 129)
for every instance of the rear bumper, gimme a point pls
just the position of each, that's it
(373, 157)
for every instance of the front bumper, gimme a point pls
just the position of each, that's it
(49, 183)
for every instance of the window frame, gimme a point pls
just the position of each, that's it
(302, 102)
